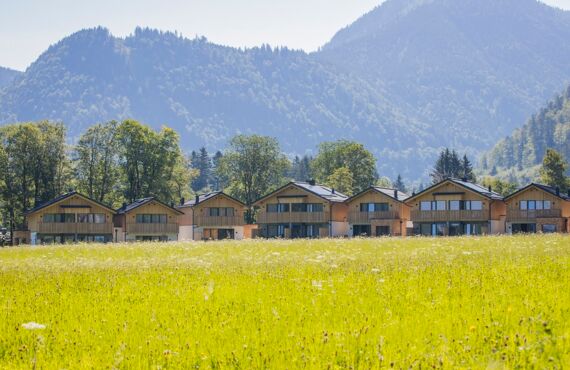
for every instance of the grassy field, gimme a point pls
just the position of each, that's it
(499, 302)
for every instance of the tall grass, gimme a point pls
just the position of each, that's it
(497, 302)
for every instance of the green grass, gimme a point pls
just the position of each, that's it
(499, 302)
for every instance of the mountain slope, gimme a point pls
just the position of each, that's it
(205, 91)
(473, 69)
(518, 156)
(7, 76)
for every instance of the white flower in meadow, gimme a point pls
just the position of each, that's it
(375, 271)
(317, 284)
(33, 326)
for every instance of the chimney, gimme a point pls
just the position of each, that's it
(197, 200)
(396, 194)
(490, 189)
(124, 204)
(333, 191)
(312, 182)
(557, 191)
(182, 201)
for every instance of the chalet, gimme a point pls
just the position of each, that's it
(147, 219)
(213, 216)
(537, 208)
(303, 210)
(455, 207)
(70, 218)
(378, 212)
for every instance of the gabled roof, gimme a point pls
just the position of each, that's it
(206, 197)
(476, 188)
(548, 189)
(391, 193)
(324, 192)
(141, 202)
(64, 197)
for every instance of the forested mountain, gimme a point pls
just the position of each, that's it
(7, 76)
(473, 70)
(519, 156)
(205, 91)
(406, 79)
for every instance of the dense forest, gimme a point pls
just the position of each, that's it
(406, 80)
(518, 156)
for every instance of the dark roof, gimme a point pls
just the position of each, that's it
(479, 189)
(321, 191)
(63, 197)
(400, 197)
(548, 189)
(141, 202)
(205, 197)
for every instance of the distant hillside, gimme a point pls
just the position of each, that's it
(406, 79)
(470, 69)
(519, 155)
(7, 76)
(205, 91)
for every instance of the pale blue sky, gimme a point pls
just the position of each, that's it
(28, 27)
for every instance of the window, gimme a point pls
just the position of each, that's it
(476, 205)
(278, 208)
(548, 229)
(276, 231)
(91, 218)
(151, 219)
(374, 207)
(223, 212)
(439, 205)
(425, 206)
(382, 230)
(531, 205)
(454, 205)
(59, 218)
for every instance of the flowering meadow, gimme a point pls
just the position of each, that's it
(496, 302)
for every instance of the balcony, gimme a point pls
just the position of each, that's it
(75, 228)
(223, 221)
(449, 215)
(149, 229)
(367, 217)
(293, 217)
(525, 215)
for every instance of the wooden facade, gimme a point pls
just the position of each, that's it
(393, 220)
(537, 208)
(214, 216)
(147, 220)
(70, 218)
(302, 213)
(455, 207)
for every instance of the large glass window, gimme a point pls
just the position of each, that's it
(374, 207)
(532, 205)
(425, 206)
(548, 229)
(278, 208)
(439, 205)
(59, 218)
(91, 218)
(151, 219)
(224, 212)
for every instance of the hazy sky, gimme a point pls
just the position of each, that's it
(28, 27)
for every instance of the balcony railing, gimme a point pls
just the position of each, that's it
(169, 228)
(210, 221)
(293, 217)
(450, 215)
(75, 228)
(517, 214)
(367, 217)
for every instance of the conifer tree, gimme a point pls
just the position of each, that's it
(553, 171)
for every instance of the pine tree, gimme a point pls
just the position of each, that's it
(553, 171)
(467, 170)
(201, 161)
(399, 184)
(218, 180)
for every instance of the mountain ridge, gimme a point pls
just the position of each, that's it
(406, 79)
